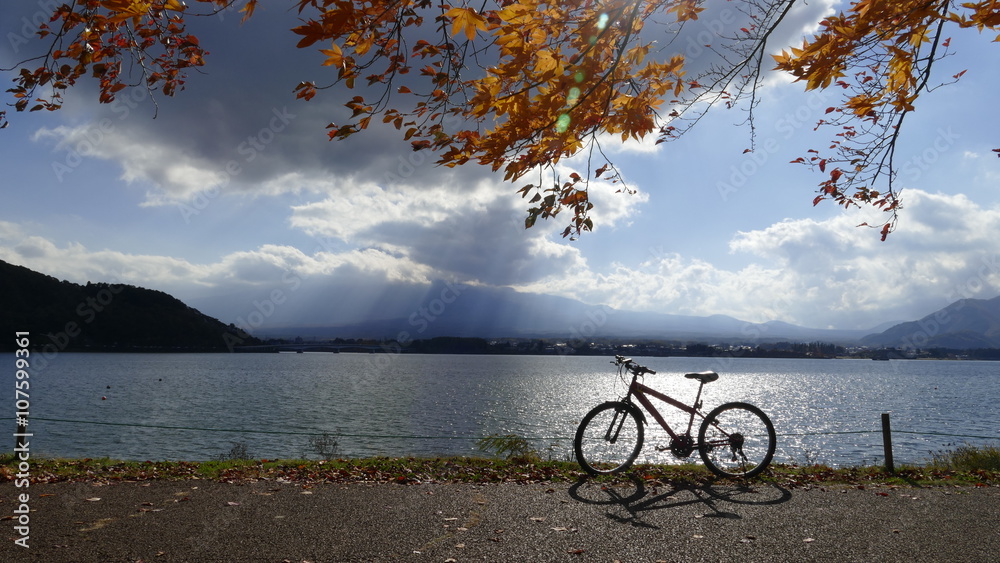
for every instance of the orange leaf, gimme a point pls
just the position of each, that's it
(248, 9)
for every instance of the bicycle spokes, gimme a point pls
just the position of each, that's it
(609, 438)
(736, 440)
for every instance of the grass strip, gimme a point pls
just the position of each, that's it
(527, 470)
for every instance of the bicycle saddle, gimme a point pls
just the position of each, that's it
(703, 376)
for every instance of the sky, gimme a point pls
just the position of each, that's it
(230, 197)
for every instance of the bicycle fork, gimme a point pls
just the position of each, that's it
(621, 414)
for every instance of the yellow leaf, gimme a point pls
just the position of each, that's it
(467, 20)
(334, 56)
(546, 62)
(365, 44)
(918, 37)
(126, 9)
(516, 14)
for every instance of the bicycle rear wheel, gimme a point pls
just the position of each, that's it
(609, 438)
(736, 440)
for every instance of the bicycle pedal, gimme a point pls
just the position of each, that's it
(661, 448)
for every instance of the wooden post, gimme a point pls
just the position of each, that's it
(887, 443)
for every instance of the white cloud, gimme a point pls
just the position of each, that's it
(473, 233)
(359, 208)
(614, 204)
(802, 21)
(676, 285)
(263, 266)
(805, 271)
(943, 242)
(811, 272)
(613, 144)
(175, 174)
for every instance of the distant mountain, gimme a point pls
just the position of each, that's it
(474, 311)
(965, 324)
(121, 317)
(60, 315)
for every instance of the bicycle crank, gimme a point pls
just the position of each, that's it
(681, 446)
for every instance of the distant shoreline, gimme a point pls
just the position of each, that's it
(956, 355)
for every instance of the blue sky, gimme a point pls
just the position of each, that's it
(233, 193)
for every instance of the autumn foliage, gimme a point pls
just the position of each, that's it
(519, 85)
(880, 54)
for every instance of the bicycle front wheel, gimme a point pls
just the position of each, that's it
(736, 440)
(609, 438)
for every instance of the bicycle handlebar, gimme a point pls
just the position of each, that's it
(632, 366)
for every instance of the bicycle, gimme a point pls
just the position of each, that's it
(735, 439)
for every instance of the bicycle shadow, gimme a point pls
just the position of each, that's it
(634, 498)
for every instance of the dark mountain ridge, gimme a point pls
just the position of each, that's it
(963, 325)
(61, 315)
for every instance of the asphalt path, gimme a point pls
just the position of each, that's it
(198, 520)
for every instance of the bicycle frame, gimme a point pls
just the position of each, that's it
(639, 391)
(610, 437)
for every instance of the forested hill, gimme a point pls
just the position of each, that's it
(64, 316)
(963, 325)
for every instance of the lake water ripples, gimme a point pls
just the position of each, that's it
(826, 411)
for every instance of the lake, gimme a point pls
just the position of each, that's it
(826, 411)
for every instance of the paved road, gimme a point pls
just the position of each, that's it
(161, 521)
